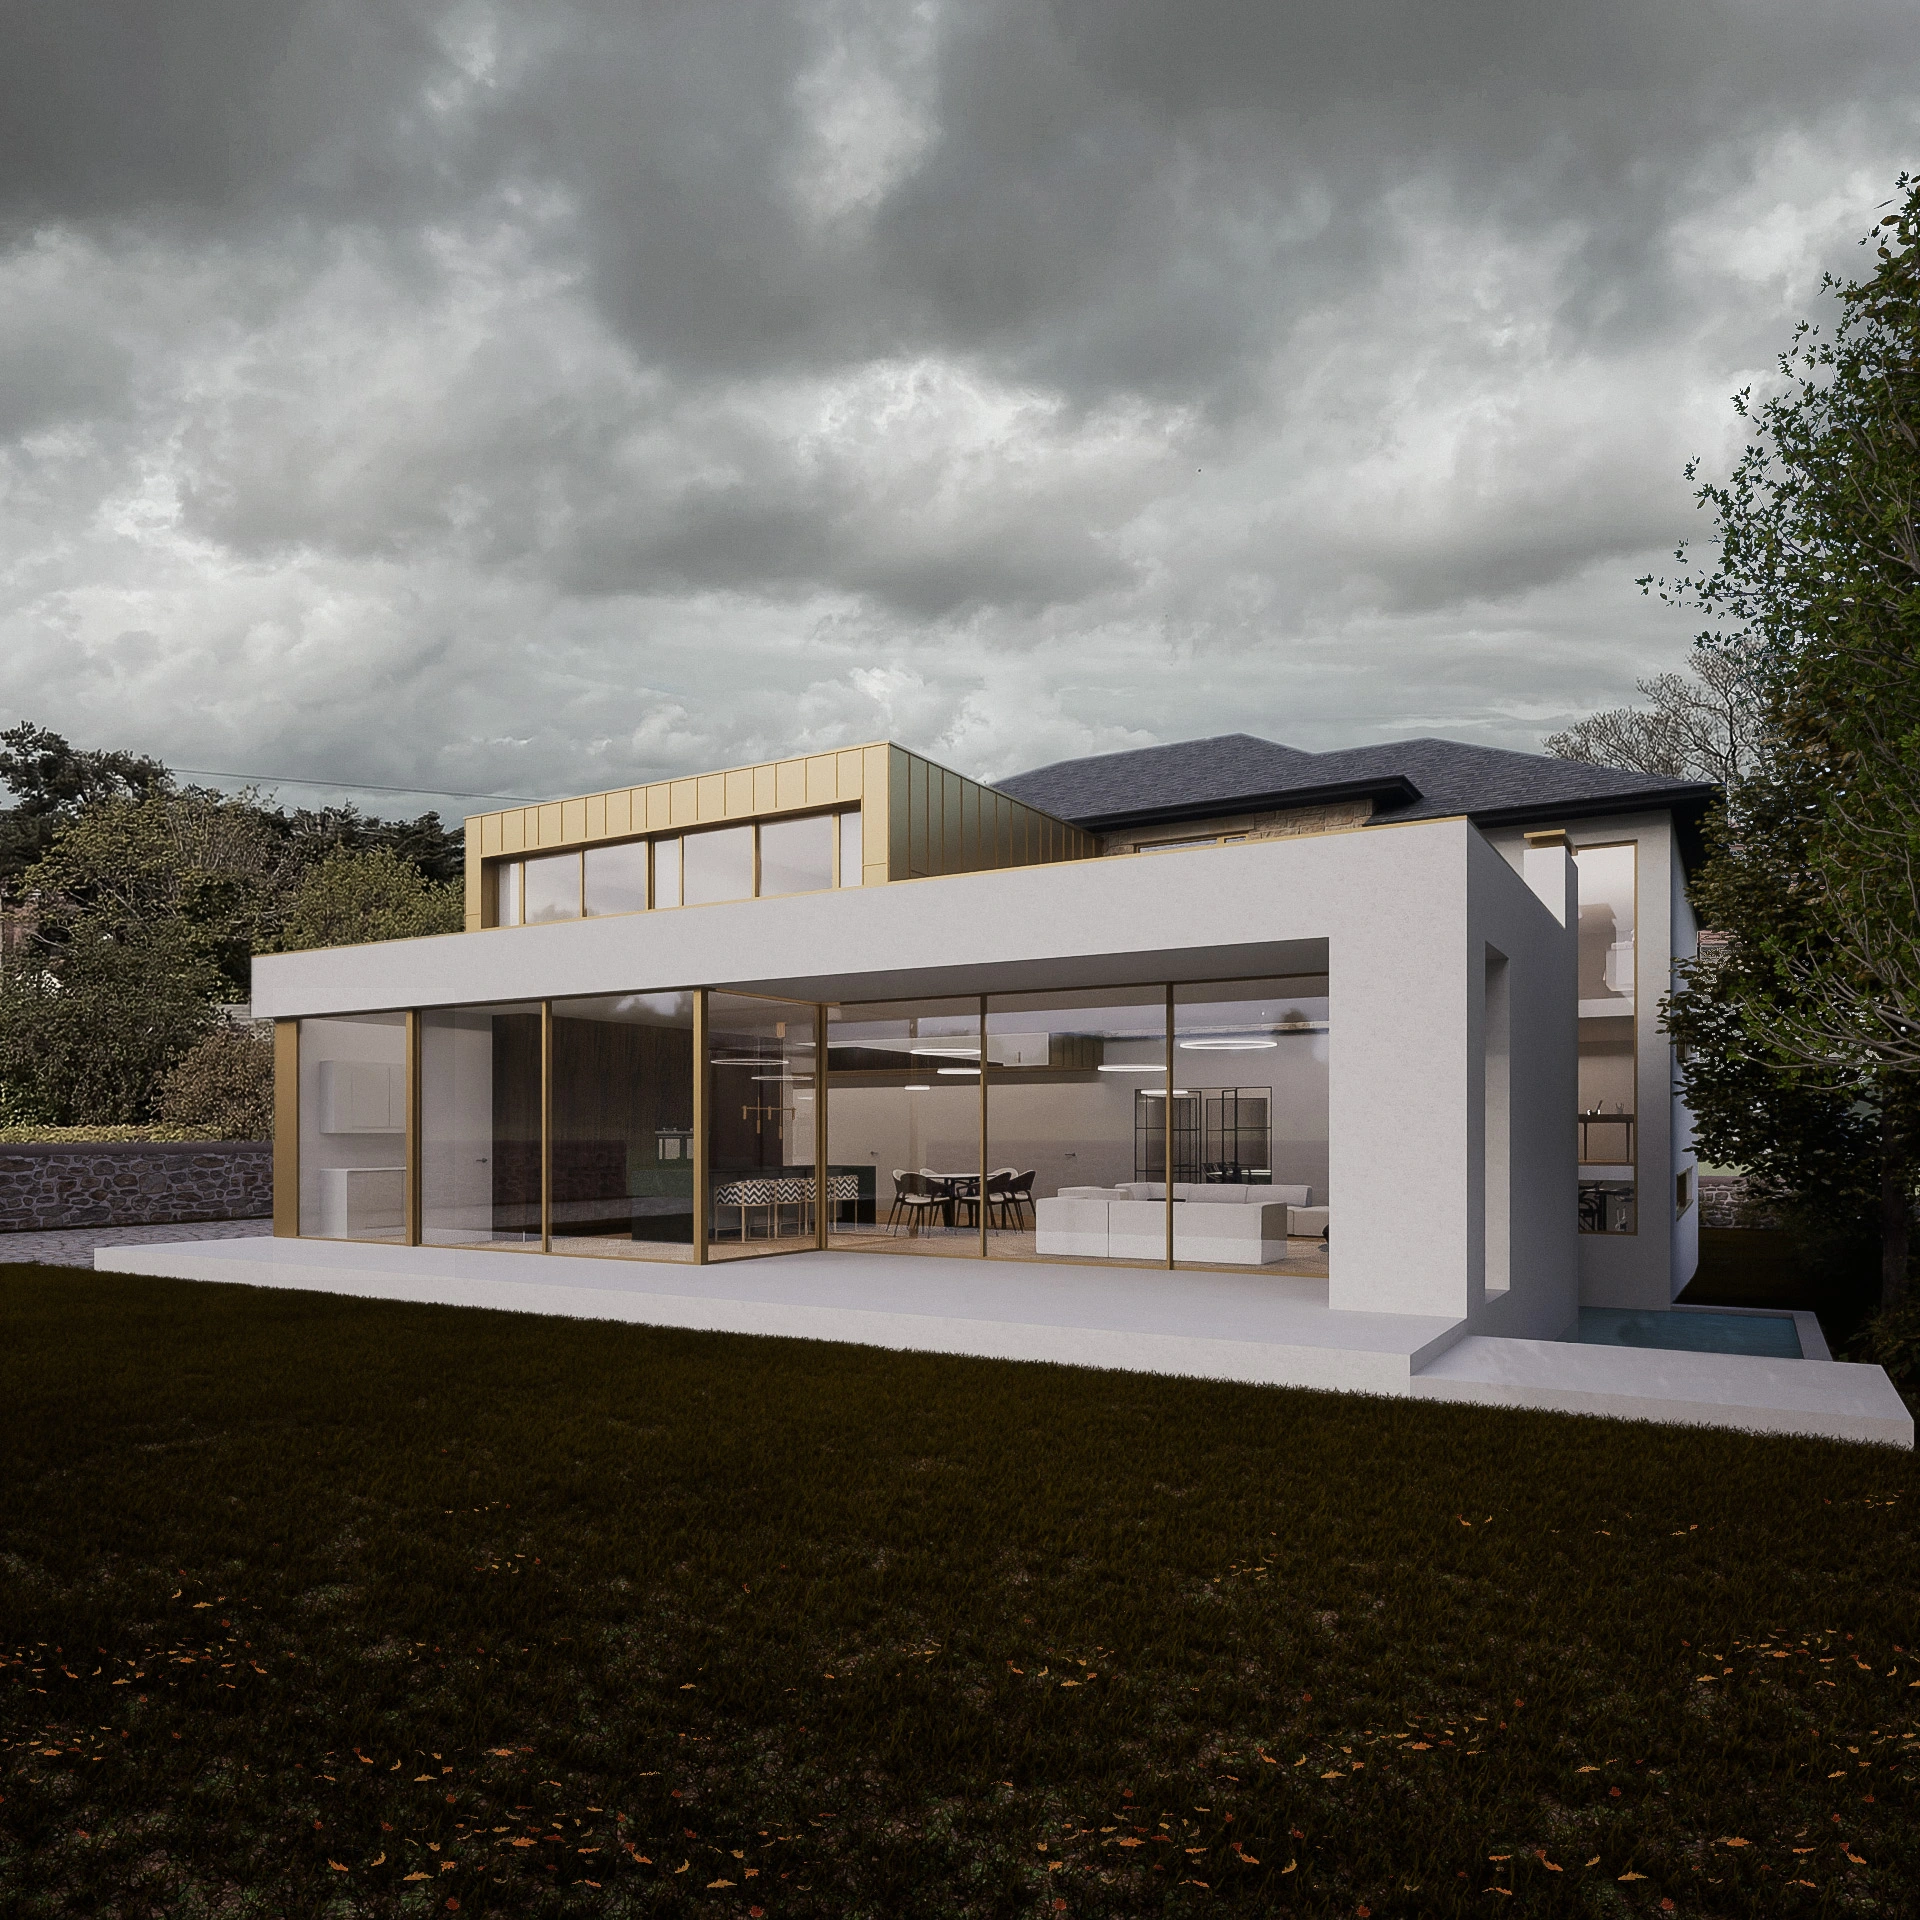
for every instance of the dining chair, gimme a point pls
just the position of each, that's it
(1020, 1194)
(999, 1196)
(913, 1200)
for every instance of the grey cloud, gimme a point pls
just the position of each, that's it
(515, 396)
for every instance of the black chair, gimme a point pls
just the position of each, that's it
(963, 1197)
(1020, 1196)
(999, 1197)
(914, 1199)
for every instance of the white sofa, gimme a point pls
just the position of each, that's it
(1241, 1226)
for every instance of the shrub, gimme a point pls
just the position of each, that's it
(224, 1084)
(373, 894)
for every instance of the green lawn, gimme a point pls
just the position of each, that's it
(324, 1606)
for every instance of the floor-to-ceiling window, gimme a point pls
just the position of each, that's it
(903, 1125)
(1250, 1116)
(1608, 1122)
(1069, 1169)
(480, 1132)
(1108, 1124)
(762, 1097)
(353, 1127)
(621, 1112)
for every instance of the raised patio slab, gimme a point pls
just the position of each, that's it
(1263, 1329)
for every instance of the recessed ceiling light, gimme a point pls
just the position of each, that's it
(1131, 1066)
(972, 1073)
(920, 1087)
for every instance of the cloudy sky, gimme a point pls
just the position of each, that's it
(528, 398)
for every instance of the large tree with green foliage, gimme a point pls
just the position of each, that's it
(1801, 1024)
(135, 905)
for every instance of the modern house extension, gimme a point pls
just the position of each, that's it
(1339, 1069)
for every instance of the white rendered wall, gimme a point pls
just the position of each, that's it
(1398, 915)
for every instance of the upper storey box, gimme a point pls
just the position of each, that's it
(858, 816)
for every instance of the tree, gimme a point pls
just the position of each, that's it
(52, 781)
(1699, 726)
(1814, 882)
(351, 897)
(213, 865)
(223, 1083)
(87, 1037)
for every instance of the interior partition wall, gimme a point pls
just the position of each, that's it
(482, 1138)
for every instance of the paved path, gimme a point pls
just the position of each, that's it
(73, 1246)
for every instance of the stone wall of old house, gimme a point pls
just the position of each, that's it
(1280, 823)
(133, 1184)
(1725, 1202)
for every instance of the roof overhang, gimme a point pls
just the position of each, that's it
(1689, 805)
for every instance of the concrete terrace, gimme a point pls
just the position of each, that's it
(1261, 1329)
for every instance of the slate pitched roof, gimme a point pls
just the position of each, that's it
(1407, 780)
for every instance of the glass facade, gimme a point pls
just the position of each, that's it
(616, 877)
(553, 888)
(762, 1102)
(796, 853)
(353, 1127)
(903, 1125)
(480, 1126)
(1066, 1074)
(704, 1125)
(716, 865)
(621, 1113)
(1608, 978)
(796, 856)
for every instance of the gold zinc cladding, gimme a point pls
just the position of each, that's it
(930, 820)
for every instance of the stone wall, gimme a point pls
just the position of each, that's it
(133, 1184)
(1725, 1202)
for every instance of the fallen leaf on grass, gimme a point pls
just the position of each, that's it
(1851, 1855)
(1540, 1854)
(416, 1876)
(501, 1753)
(378, 1860)
(1129, 1843)
(1734, 1840)
(339, 1866)
(1289, 1867)
(711, 1884)
(1595, 1861)
(1631, 1875)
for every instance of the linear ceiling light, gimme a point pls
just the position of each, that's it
(1228, 1046)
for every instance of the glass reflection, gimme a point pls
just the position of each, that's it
(353, 1127)
(622, 1118)
(480, 1126)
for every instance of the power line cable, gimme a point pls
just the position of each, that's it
(353, 786)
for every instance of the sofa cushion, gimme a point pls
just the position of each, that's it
(1308, 1221)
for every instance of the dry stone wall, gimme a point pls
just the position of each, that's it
(136, 1184)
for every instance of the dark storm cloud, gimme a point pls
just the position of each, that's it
(691, 381)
